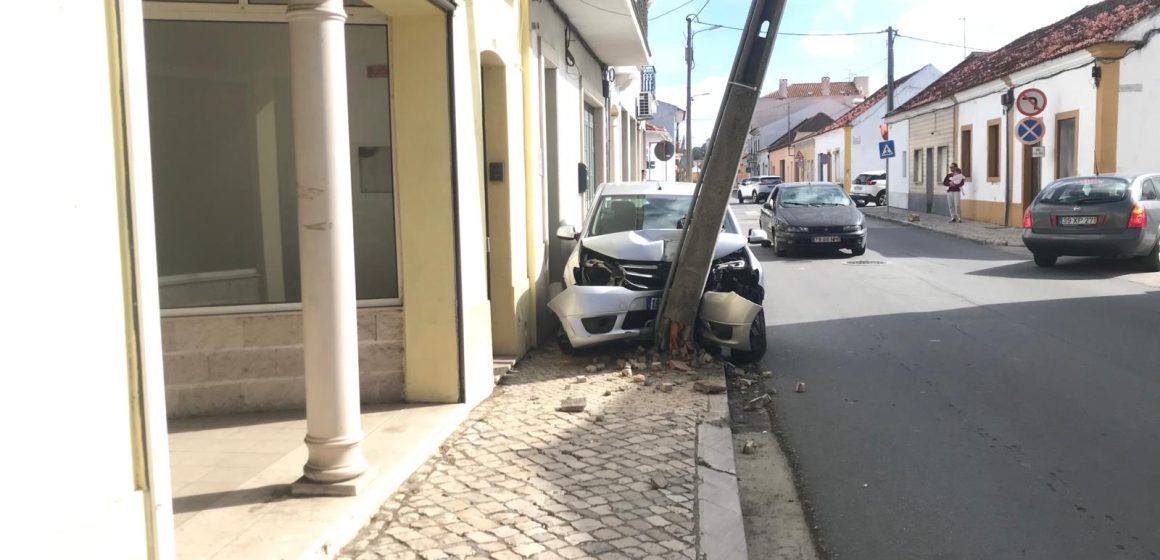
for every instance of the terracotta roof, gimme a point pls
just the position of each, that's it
(1094, 24)
(864, 106)
(814, 89)
(812, 124)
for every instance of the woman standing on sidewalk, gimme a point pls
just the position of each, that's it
(954, 184)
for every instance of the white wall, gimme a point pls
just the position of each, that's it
(976, 113)
(898, 184)
(73, 457)
(1139, 121)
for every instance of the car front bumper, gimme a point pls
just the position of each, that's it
(863, 197)
(852, 240)
(1128, 243)
(592, 315)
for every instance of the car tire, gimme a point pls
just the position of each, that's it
(778, 250)
(880, 200)
(565, 344)
(1151, 261)
(757, 342)
(858, 252)
(1044, 260)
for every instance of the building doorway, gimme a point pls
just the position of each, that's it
(496, 196)
(1031, 174)
(929, 180)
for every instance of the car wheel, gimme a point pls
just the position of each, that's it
(858, 252)
(778, 250)
(565, 344)
(1044, 260)
(1151, 261)
(757, 342)
(880, 200)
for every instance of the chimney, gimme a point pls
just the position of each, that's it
(783, 88)
(825, 85)
(862, 83)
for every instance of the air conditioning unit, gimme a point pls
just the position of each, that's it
(646, 106)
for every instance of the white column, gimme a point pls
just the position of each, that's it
(326, 239)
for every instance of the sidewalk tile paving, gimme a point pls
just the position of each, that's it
(979, 232)
(520, 479)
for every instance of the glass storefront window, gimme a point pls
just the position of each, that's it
(223, 163)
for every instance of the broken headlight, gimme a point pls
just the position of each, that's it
(599, 270)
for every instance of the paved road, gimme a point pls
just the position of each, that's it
(962, 403)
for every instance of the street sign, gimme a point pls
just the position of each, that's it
(1030, 130)
(664, 150)
(1038, 151)
(886, 149)
(1031, 102)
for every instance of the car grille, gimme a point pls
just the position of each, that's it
(641, 276)
(826, 229)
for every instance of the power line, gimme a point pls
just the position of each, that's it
(672, 10)
(800, 34)
(603, 9)
(938, 42)
(703, 6)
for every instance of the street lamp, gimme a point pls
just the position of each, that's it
(689, 88)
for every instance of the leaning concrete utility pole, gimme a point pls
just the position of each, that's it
(686, 282)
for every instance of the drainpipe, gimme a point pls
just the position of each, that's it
(531, 335)
(1008, 102)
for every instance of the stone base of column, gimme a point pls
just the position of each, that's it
(334, 460)
(306, 488)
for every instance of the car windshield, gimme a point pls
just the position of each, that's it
(617, 213)
(770, 180)
(1089, 190)
(819, 195)
(865, 178)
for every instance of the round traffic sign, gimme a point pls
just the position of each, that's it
(1031, 101)
(1030, 130)
(664, 150)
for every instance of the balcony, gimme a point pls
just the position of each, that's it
(615, 29)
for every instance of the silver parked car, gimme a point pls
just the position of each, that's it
(616, 275)
(1097, 216)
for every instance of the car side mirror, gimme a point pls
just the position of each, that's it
(568, 231)
(758, 236)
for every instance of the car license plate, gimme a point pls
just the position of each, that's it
(827, 239)
(1078, 220)
(654, 303)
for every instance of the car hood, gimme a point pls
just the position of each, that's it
(653, 245)
(820, 215)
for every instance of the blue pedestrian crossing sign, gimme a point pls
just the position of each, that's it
(886, 149)
(1030, 130)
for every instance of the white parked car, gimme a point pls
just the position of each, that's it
(869, 187)
(617, 273)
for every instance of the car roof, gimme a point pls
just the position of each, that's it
(648, 187)
(874, 172)
(1126, 176)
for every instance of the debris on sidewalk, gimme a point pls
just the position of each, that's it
(912, 218)
(582, 379)
(709, 386)
(801, 387)
(640, 378)
(749, 448)
(665, 387)
(759, 402)
(607, 393)
(592, 369)
(679, 365)
(659, 482)
(767, 374)
(573, 404)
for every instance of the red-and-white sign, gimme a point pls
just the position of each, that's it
(1031, 102)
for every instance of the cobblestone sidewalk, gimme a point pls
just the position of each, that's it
(521, 479)
(979, 232)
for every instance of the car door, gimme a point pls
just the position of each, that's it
(1150, 200)
(765, 220)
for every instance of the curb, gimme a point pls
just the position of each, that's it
(719, 527)
(980, 240)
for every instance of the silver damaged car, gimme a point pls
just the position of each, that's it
(615, 276)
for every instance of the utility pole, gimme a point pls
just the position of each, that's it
(689, 97)
(890, 32)
(686, 283)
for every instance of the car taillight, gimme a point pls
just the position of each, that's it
(1138, 218)
(1027, 219)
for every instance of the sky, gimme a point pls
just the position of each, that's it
(988, 24)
